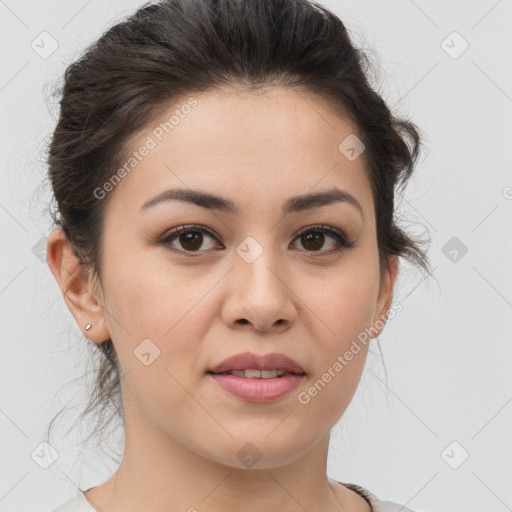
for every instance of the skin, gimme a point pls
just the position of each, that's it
(304, 300)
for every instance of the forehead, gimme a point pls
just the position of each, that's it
(253, 146)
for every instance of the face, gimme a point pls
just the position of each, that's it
(259, 276)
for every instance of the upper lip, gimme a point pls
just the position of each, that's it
(249, 360)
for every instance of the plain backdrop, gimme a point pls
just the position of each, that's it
(436, 435)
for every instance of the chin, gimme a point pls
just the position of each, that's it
(256, 452)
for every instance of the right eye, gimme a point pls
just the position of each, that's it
(190, 237)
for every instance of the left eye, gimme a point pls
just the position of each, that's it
(313, 238)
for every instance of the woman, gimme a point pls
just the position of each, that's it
(224, 178)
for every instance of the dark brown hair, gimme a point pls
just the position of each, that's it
(170, 49)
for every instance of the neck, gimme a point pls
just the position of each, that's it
(159, 473)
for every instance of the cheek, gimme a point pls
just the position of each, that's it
(340, 312)
(157, 322)
(148, 301)
(149, 295)
(348, 312)
(342, 306)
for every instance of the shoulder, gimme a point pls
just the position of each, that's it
(77, 504)
(377, 504)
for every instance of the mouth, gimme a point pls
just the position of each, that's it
(255, 366)
(258, 374)
(258, 378)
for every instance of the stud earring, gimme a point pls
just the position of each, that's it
(88, 326)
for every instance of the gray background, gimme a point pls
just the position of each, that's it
(448, 352)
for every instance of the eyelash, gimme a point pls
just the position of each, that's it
(343, 242)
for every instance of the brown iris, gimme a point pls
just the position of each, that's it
(312, 238)
(192, 240)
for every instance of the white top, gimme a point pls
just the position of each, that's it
(80, 503)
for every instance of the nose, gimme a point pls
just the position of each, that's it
(259, 296)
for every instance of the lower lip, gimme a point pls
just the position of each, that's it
(258, 390)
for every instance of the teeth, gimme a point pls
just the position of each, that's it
(257, 374)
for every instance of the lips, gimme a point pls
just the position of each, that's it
(251, 361)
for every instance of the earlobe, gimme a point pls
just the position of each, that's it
(75, 282)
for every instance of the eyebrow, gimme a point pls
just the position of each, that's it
(292, 204)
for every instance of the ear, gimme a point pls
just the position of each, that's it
(385, 296)
(75, 282)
